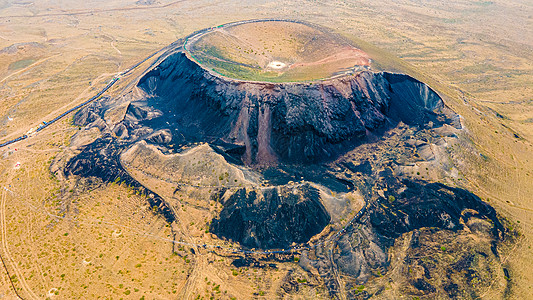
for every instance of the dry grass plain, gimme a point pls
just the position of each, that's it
(106, 243)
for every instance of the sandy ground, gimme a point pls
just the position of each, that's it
(484, 67)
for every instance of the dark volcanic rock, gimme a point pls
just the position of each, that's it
(101, 159)
(429, 205)
(98, 159)
(290, 122)
(273, 217)
(418, 205)
(365, 167)
(286, 133)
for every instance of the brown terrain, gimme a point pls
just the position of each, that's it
(68, 237)
(247, 51)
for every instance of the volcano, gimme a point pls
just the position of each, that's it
(270, 122)
(290, 129)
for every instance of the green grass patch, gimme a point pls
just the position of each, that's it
(20, 64)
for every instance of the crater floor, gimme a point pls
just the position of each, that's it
(275, 51)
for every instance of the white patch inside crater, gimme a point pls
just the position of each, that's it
(276, 65)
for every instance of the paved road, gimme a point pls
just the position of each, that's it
(45, 124)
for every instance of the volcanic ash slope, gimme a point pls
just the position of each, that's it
(283, 122)
(327, 166)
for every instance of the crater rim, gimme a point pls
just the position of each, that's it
(281, 65)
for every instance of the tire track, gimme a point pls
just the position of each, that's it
(94, 11)
(7, 254)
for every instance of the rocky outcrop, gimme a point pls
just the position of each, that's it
(409, 206)
(430, 205)
(101, 159)
(281, 122)
(272, 217)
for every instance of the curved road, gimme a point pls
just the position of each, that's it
(45, 124)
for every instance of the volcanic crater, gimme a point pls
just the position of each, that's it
(275, 51)
(303, 146)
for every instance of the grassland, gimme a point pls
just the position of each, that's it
(484, 69)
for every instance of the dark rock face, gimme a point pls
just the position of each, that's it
(272, 218)
(419, 205)
(412, 101)
(430, 205)
(296, 132)
(285, 122)
(100, 159)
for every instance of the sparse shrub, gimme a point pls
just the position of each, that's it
(358, 289)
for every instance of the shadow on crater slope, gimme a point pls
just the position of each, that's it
(271, 218)
(282, 122)
(325, 165)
